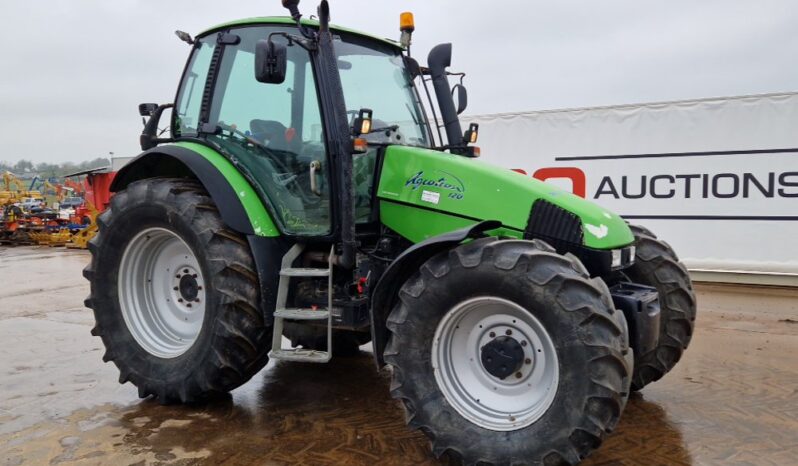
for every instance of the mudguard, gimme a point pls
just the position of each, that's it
(387, 289)
(235, 198)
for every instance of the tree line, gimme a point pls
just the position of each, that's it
(27, 169)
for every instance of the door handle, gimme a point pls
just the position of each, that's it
(314, 167)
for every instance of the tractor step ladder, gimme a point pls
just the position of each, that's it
(283, 313)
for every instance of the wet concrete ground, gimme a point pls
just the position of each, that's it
(732, 400)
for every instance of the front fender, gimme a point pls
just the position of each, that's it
(385, 293)
(238, 203)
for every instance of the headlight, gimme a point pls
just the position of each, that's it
(617, 258)
(623, 257)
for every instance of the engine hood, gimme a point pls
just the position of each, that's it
(449, 191)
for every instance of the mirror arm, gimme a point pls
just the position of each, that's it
(149, 137)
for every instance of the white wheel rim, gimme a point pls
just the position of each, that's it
(484, 399)
(161, 292)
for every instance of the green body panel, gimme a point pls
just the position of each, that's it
(262, 223)
(419, 187)
(288, 21)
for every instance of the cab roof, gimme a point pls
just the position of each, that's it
(289, 21)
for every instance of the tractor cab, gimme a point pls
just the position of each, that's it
(280, 133)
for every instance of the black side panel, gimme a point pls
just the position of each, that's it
(173, 161)
(563, 231)
(268, 254)
(550, 222)
(406, 264)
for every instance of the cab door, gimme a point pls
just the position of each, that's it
(272, 132)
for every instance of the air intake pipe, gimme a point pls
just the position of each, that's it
(440, 57)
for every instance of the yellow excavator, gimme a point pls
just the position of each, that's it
(14, 190)
(49, 188)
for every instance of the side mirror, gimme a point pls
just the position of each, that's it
(271, 61)
(472, 134)
(146, 110)
(460, 95)
(149, 137)
(362, 123)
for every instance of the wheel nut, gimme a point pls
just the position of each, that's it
(518, 375)
(199, 287)
(492, 334)
(175, 288)
(527, 361)
(508, 332)
(180, 300)
(523, 343)
(195, 275)
(188, 305)
(185, 270)
(196, 300)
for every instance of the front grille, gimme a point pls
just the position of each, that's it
(554, 224)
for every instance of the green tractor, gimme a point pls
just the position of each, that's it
(304, 195)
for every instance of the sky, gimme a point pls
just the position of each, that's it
(73, 72)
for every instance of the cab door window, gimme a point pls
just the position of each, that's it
(274, 132)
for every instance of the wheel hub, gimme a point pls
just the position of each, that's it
(502, 357)
(495, 363)
(161, 292)
(187, 288)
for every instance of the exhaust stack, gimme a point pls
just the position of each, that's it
(440, 58)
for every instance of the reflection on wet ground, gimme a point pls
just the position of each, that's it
(290, 414)
(732, 400)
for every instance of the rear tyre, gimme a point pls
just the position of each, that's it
(657, 265)
(504, 352)
(175, 294)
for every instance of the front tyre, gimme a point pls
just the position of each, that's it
(175, 293)
(657, 265)
(504, 352)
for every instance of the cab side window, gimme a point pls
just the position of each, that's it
(189, 98)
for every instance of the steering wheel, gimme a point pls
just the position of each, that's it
(291, 179)
(233, 129)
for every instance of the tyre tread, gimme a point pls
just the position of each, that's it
(563, 274)
(658, 265)
(240, 338)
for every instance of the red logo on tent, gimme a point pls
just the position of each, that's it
(577, 177)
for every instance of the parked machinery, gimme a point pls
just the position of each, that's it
(25, 221)
(14, 190)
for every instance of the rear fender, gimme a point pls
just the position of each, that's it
(237, 201)
(387, 289)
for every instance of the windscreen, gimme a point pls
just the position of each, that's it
(374, 76)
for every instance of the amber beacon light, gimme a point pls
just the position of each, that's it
(406, 22)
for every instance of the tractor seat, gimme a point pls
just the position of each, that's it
(273, 135)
